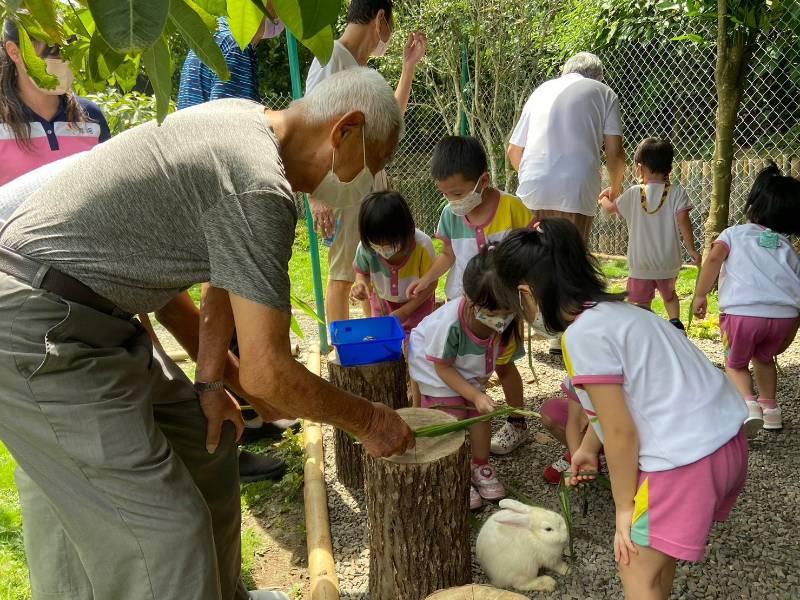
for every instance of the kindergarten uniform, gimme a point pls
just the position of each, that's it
(391, 281)
(654, 245)
(443, 337)
(688, 415)
(467, 239)
(759, 293)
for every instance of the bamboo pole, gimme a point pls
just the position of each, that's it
(321, 568)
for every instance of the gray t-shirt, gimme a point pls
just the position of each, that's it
(203, 197)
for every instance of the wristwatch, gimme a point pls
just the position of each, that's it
(205, 386)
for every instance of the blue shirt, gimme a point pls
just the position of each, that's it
(200, 84)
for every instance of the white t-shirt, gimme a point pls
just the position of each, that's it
(654, 244)
(562, 128)
(684, 407)
(341, 60)
(444, 337)
(758, 281)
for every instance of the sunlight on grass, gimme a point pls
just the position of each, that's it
(13, 568)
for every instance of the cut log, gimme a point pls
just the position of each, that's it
(382, 382)
(476, 592)
(418, 512)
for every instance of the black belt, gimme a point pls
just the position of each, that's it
(47, 278)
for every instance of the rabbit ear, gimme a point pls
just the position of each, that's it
(513, 505)
(513, 519)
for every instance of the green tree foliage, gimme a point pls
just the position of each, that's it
(110, 40)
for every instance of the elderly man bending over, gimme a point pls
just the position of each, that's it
(114, 441)
(558, 143)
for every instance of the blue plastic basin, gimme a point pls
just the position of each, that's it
(368, 341)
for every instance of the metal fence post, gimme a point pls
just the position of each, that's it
(316, 270)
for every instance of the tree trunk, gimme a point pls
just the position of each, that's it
(418, 511)
(475, 592)
(732, 60)
(382, 382)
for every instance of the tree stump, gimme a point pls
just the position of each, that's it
(476, 592)
(382, 382)
(418, 511)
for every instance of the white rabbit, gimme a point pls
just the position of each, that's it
(518, 541)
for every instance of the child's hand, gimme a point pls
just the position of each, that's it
(415, 288)
(696, 257)
(582, 461)
(623, 546)
(700, 306)
(604, 195)
(483, 403)
(359, 292)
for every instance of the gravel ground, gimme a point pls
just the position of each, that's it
(754, 555)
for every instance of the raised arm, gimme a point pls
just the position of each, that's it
(269, 373)
(415, 49)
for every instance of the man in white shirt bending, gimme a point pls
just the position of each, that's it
(368, 33)
(558, 143)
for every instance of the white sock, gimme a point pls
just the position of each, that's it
(254, 423)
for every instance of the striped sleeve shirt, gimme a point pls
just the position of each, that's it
(200, 84)
(50, 140)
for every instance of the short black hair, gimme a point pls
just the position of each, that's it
(458, 155)
(655, 154)
(552, 259)
(385, 218)
(774, 201)
(362, 12)
(484, 287)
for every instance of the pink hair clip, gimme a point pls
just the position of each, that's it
(537, 226)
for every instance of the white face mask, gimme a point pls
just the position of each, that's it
(272, 29)
(386, 252)
(59, 69)
(467, 204)
(345, 194)
(381, 47)
(497, 322)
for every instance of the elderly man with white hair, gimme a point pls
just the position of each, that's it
(558, 143)
(113, 441)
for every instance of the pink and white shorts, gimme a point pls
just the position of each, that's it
(746, 338)
(460, 414)
(642, 291)
(675, 510)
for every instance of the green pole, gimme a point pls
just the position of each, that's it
(319, 299)
(464, 82)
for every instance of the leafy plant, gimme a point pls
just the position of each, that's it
(123, 111)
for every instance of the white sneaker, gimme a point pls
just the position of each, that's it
(508, 438)
(755, 418)
(555, 346)
(475, 500)
(772, 418)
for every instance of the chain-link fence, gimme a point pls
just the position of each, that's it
(666, 89)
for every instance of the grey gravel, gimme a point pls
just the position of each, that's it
(754, 555)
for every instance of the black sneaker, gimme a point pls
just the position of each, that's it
(678, 325)
(269, 431)
(259, 467)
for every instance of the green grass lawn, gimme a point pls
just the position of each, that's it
(13, 568)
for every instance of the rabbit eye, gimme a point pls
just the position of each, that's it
(548, 529)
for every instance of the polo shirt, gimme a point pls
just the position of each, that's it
(200, 84)
(50, 140)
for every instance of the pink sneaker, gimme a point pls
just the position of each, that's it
(475, 500)
(772, 418)
(484, 478)
(755, 418)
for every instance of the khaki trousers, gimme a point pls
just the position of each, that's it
(120, 499)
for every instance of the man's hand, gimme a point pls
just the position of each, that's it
(359, 292)
(696, 257)
(700, 306)
(623, 546)
(604, 195)
(324, 221)
(387, 433)
(484, 403)
(219, 407)
(415, 49)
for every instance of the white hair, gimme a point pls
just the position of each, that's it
(586, 64)
(357, 89)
